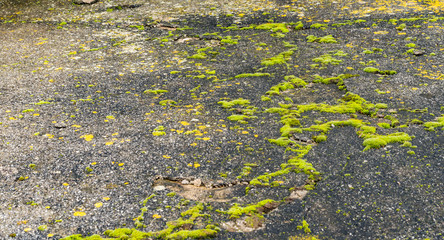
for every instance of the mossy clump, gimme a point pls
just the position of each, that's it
(236, 211)
(298, 26)
(281, 58)
(229, 40)
(382, 72)
(339, 80)
(432, 125)
(319, 25)
(244, 75)
(378, 141)
(240, 118)
(274, 27)
(173, 231)
(327, 59)
(371, 70)
(230, 104)
(325, 39)
(200, 55)
(384, 125)
(320, 138)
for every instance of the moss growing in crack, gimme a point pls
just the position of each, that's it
(173, 230)
(236, 211)
(244, 75)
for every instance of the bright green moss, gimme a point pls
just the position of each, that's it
(319, 25)
(371, 70)
(281, 58)
(230, 104)
(265, 98)
(299, 25)
(432, 125)
(244, 75)
(274, 27)
(281, 111)
(383, 72)
(282, 141)
(240, 118)
(378, 141)
(236, 211)
(295, 81)
(229, 40)
(286, 130)
(200, 55)
(197, 234)
(325, 39)
(384, 125)
(320, 138)
(327, 59)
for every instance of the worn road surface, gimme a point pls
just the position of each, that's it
(250, 119)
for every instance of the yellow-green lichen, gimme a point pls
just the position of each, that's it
(155, 91)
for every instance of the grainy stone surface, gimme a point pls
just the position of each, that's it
(112, 116)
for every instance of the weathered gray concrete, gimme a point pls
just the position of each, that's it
(84, 143)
